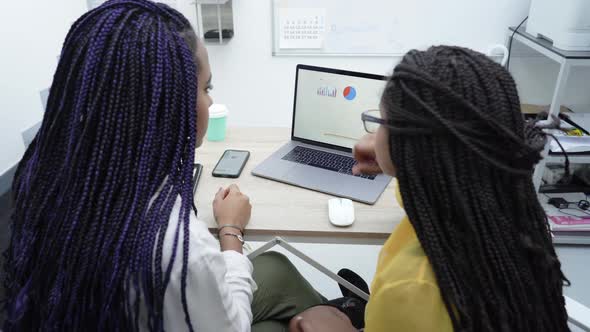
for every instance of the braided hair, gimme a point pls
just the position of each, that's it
(464, 159)
(95, 189)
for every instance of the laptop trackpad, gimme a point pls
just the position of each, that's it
(313, 177)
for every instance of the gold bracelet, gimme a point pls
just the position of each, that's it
(219, 228)
(238, 236)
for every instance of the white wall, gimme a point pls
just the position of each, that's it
(257, 87)
(31, 35)
(536, 77)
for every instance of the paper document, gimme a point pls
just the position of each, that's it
(570, 223)
(571, 144)
(572, 138)
(570, 219)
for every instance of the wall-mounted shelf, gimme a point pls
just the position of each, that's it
(213, 17)
(567, 60)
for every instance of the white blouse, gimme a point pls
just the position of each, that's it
(219, 284)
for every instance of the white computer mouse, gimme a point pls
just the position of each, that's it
(341, 212)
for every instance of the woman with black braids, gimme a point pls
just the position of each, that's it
(475, 252)
(103, 234)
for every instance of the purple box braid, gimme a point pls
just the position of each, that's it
(94, 191)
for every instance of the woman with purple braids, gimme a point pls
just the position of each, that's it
(104, 237)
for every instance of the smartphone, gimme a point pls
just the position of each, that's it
(231, 164)
(197, 171)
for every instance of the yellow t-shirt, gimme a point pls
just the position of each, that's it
(404, 293)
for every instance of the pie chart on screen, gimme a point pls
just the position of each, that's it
(349, 93)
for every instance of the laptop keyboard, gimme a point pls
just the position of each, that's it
(326, 160)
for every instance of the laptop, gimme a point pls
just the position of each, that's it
(327, 123)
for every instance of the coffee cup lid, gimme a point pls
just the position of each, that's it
(218, 111)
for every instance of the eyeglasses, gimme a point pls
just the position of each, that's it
(372, 120)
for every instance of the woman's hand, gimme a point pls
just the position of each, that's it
(321, 319)
(364, 153)
(231, 207)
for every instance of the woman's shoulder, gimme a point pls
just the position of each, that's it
(406, 278)
(402, 258)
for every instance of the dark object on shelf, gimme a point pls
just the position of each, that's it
(582, 175)
(214, 34)
(558, 202)
(563, 188)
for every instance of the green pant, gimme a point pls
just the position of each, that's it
(282, 293)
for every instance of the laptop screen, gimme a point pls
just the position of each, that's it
(329, 104)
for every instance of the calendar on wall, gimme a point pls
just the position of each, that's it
(385, 28)
(302, 28)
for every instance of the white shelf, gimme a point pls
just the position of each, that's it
(544, 47)
(578, 108)
(573, 158)
(566, 60)
(211, 2)
(570, 238)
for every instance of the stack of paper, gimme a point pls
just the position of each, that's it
(571, 144)
(573, 140)
(569, 223)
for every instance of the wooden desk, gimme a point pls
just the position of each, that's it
(283, 210)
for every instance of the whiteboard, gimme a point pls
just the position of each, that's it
(393, 27)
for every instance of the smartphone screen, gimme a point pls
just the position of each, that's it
(231, 163)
